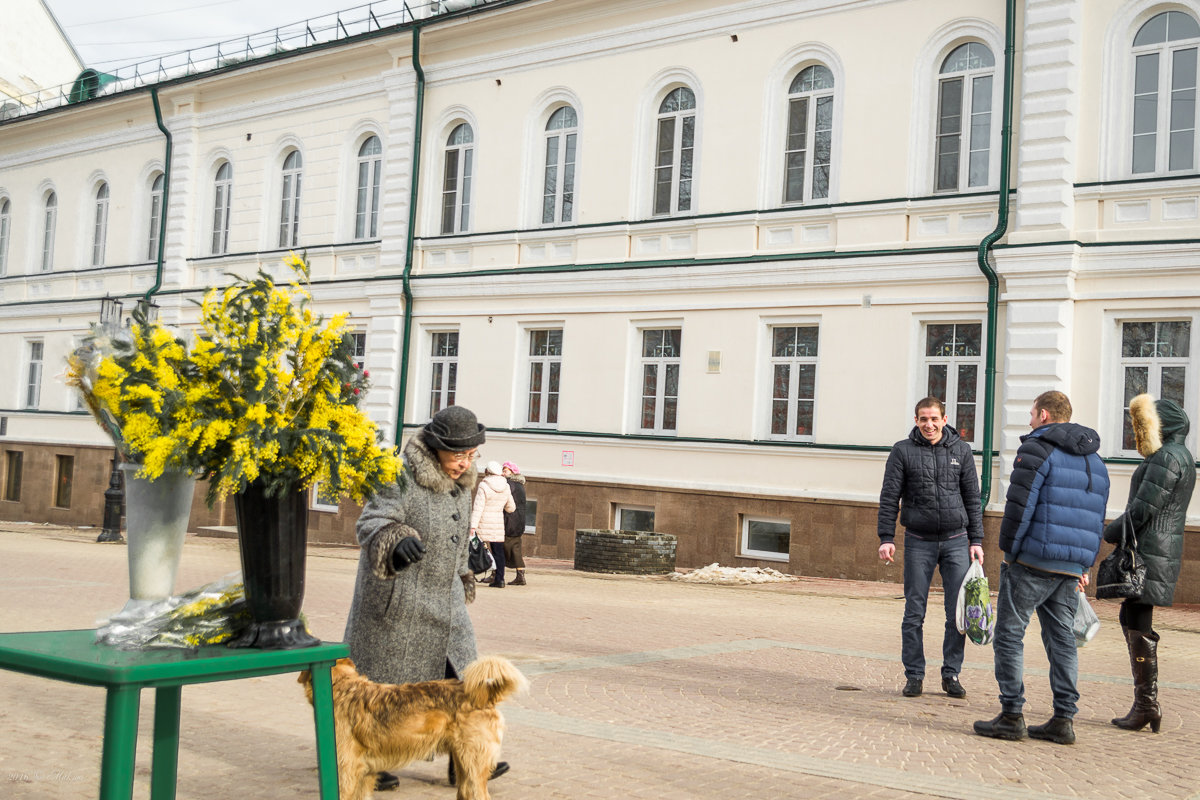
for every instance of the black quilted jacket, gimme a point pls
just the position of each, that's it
(934, 487)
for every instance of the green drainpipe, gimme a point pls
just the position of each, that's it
(402, 394)
(989, 389)
(162, 220)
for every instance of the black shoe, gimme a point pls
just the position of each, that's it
(385, 781)
(912, 688)
(1059, 730)
(952, 687)
(497, 584)
(1004, 726)
(500, 769)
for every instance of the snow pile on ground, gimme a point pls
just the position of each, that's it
(733, 576)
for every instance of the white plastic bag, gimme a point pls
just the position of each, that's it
(974, 613)
(1086, 622)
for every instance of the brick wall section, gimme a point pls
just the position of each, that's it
(626, 552)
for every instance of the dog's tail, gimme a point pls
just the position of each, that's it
(491, 680)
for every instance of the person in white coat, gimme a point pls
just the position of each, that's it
(492, 499)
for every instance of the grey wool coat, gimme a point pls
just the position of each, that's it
(405, 625)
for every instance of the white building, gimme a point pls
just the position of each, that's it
(691, 262)
(35, 54)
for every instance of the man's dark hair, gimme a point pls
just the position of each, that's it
(930, 402)
(1055, 404)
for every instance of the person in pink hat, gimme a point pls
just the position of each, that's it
(514, 522)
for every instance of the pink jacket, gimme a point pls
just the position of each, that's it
(492, 499)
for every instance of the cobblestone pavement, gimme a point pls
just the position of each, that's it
(640, 688)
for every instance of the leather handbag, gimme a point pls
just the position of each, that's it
(1123, 572)
(478, 558)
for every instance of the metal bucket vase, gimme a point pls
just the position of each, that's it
(156, 519)
(272, 535)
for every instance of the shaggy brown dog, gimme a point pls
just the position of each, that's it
(383, 726)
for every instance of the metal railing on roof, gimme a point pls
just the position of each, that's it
(327, 28)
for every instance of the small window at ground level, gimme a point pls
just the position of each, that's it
(633, 518)
(320, 500)
(530, 515)
(12, 475)
(766, 538)
(64, 472)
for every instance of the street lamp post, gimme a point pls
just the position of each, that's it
(114, 495)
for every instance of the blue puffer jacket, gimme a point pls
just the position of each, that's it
(1054, 514)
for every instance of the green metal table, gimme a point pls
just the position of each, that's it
(74, 657)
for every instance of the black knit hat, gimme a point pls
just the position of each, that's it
(454, 429)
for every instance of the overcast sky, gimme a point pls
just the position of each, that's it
(108, 35)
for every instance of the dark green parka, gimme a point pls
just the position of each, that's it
(1158, 494)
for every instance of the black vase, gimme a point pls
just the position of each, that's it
(272, 534)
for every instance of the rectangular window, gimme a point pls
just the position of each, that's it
(12, 475)
(953, 368)
(33, 376)
(64, 467)
(1155, 357)
(545, 369)
(444, 375)
(358, 341)
(319, 500)
(633, 518)
(793, 381)
(530, 515)
(660, 380)
(1145, 112)
(949, 133)
(766, 538)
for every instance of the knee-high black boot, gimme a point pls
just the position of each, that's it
(1143, 661)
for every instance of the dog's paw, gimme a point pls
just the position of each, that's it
(468, 582)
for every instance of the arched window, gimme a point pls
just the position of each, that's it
(5, 225)
(456, 183)
(964, 121)
(289, 212)
(49, 223)
(558, 187)
(370, 168)
(1164, 94)
(676, 138)
(807, 153)
(222, 201)
(156, 200)
(100, 225)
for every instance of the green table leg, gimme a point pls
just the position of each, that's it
(326, 742)
(120, 742)
(165, 766)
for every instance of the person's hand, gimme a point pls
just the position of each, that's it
(1083, 581)
(407, 551)
(977, 553)
(887, 552)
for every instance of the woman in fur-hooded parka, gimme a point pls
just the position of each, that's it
(1159, 494)
(407, 625)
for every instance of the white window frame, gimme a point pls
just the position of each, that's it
(440, 388)
(291, 177)
(967, 113)
(674, 168)
(952, 363)
(563, 171)
(811, 99)
(359, 340)
(5, 232)
(456, 195)
(49, 230)
(639, 363)
(793, 397)
(316, 502)
(1164, 52)
(620, 507)
(100, 223)
(222, 207)
(766, 555)
(158, 183)
(35, 359)
(545, 362)
(368, 187)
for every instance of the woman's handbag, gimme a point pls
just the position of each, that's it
(479, 560)
(1086, 622)
(1123, 572)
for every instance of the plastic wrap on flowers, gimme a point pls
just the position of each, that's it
(212, 614)
(976, 616)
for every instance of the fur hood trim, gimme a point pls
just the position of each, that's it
(427, 471)
(1147, 428)
(517, 479)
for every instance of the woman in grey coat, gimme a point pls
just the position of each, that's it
(408, 619)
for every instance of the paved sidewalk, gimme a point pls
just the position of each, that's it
(640, 688)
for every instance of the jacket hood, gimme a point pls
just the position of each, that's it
(498, 482)
(1069, 437)
(427, 471)
(949, 437)
(1155, 422)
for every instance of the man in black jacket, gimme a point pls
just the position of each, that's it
(931, 480)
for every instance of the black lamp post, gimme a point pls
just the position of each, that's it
(114, 495)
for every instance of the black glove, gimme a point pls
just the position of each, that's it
(407, 551)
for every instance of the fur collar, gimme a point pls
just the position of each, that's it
(1147, 428)
(517, 479)
(427, 471)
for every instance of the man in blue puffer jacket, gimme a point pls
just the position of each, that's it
(1050, 535)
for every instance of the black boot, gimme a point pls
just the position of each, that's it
(500, 769)
(1004, 726)
(1059, 730)
(519, 580)
(1143, 661)
(385, 781)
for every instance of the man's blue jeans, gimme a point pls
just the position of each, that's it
(1023, 591)
(921, 556)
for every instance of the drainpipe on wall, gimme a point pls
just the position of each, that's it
(402, 393)
(989, 390)
(166, 195)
